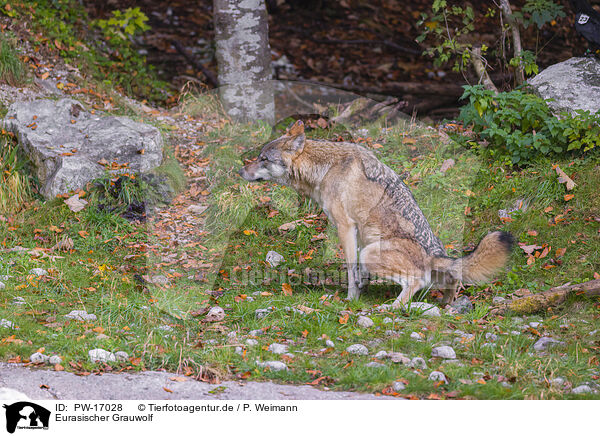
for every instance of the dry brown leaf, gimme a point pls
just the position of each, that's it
(75, 203)
(287, 289)
(563, 178)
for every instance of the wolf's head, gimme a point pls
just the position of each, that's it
(275, 159)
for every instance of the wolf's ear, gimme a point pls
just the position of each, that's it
(298, 143)
(296, 129)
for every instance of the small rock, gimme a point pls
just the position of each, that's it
(515, 333)
(398, 386)
(251, 342)
(418, 363)
(165, 328)
(428, 309)
(387, 320)
(160, 280)
(100, 355)
(2, 285)
(54, 360)
(445, 352)
(274, 365)
(534, 324)
(122, 356)
(391, 333)
(18, 301)
(544, 343)
(81, 315)
(498, 300)
(274, 259)
(446, 165)
(329, 343)
(232, 335)
(261, 313)
(488, 345)
(416, 336)
(593, 333)
(276, 348)
(215, 314)
(462, 304)
(438, 376)
(357, 349)
(365, 322)
(38, 272)
(239, 350)
(491, 337)
(257, 332)
(384, 307)
(374, 365)
(101, 336)
(582, 389)
(6, 324)
(381, 354)
(399, 358)
(464, 335)
(557, 381)
(38, 358)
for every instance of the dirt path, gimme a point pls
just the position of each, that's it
(151, 385)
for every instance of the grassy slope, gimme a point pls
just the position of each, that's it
(97, 275)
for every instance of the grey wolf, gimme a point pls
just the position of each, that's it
(381, 228)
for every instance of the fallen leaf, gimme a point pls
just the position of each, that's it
(167, 390)
(532, 233)
(75, 203)
(306, 309)
(344, 318)
(287, 289)
(529, 248)
(563, 178)
(568, 197)
(178, 379)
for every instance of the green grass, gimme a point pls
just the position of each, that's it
(107, 272)
(12, 69)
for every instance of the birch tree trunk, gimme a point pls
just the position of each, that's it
(244, 59)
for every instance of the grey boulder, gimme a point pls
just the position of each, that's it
(70, 146)
(572, 84)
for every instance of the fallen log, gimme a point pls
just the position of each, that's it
(551, 298)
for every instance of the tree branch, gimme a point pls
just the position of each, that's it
(516, 36)
(479, 67)
(550, 298)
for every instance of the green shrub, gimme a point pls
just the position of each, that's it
(521, 127)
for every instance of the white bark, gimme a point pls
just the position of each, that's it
(244, 59)
(516, 37)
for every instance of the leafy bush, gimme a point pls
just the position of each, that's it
(520, 126)
(109, 55)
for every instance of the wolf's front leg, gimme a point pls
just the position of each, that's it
(347, 236)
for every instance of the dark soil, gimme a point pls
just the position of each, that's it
(364, 47)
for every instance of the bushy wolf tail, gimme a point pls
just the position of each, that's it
(489, 256)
